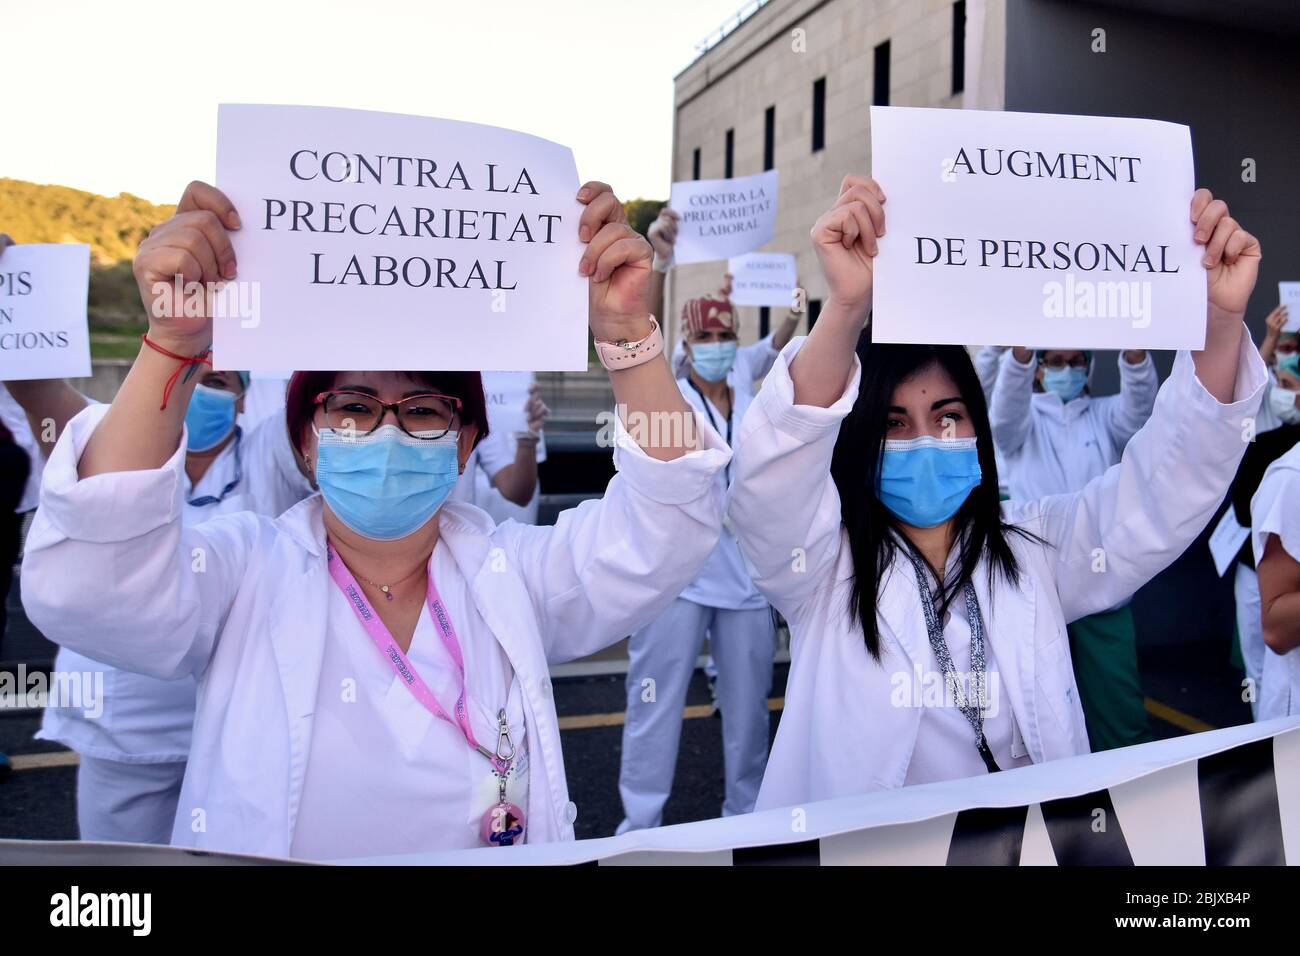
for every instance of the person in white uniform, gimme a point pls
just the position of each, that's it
(988, 360)
(14, 418)
(1056, 437)
(374, 655)
(1277, 430)
(721, 602)
(751, 364)
(515, 435)
(928, 619)
(133, 742)
(263, 397)
(1275, 540)
(508, 471)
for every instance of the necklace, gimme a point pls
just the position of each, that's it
(387, 589)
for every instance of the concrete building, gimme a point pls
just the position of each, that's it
(790, 88)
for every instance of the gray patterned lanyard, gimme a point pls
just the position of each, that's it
(972, 711)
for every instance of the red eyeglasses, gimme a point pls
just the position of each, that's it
(427, 416)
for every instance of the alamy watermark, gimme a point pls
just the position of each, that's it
(219, 300)
(21, 689)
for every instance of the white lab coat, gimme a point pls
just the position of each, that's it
(108, 571)
(988, 361)
(724, 581)
(504, 392)
(1275, 509)
(1053, 447)
(144, 719)
(840, 733)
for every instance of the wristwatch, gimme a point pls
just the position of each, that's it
(622, 354)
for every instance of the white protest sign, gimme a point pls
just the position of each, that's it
(1035, 230)
(721, 218)
(1288, 294)
(1226, 540)
(763, 278)
(506, 394)
(43, 328)
(382, 241)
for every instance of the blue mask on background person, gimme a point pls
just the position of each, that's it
(1066, 382)
(1289, 362)
(713, 360)
(385, 485)
(210, 418)
(925, 481)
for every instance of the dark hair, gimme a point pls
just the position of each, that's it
(855, 468)
(300, 397)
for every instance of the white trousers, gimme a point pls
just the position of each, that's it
(122, 802)
(1250, 630)
(662, 660)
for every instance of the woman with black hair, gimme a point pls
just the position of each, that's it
(927, 618)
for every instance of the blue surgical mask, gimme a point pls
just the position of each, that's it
(1066, 382)
(387, 484)
(713, 360)
(1289, 362)
(210, 418)
(925, 481)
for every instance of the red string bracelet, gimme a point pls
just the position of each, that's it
(188, 365)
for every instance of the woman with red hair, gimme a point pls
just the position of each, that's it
(372, 665)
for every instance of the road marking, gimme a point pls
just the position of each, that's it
(617, 718)
(1176, 717)
(60, 758)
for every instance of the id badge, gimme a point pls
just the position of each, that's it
(1018, 748)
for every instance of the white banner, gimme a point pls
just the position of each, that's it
(43, 327)
(1223, 797)
(721, 218)
(1036, 230)
(381, 241)
(763, 278)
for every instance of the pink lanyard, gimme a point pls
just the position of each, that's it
(392, 653)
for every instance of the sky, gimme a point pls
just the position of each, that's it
(122, 97)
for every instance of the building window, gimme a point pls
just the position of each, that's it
(769, 139)
(819, 115)
(959, 46)
(764, 321)
(730, 154)
(880, 95)
(695, 164)
(814, 310)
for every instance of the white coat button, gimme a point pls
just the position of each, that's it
(547, 690)
(570, 812)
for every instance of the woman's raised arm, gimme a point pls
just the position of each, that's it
(143, 427)
(617, 260)
(845, 241)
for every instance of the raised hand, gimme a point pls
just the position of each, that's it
(845, 240)
(663, 234)
(617, 260)
(1231, 254)
(191, 246)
